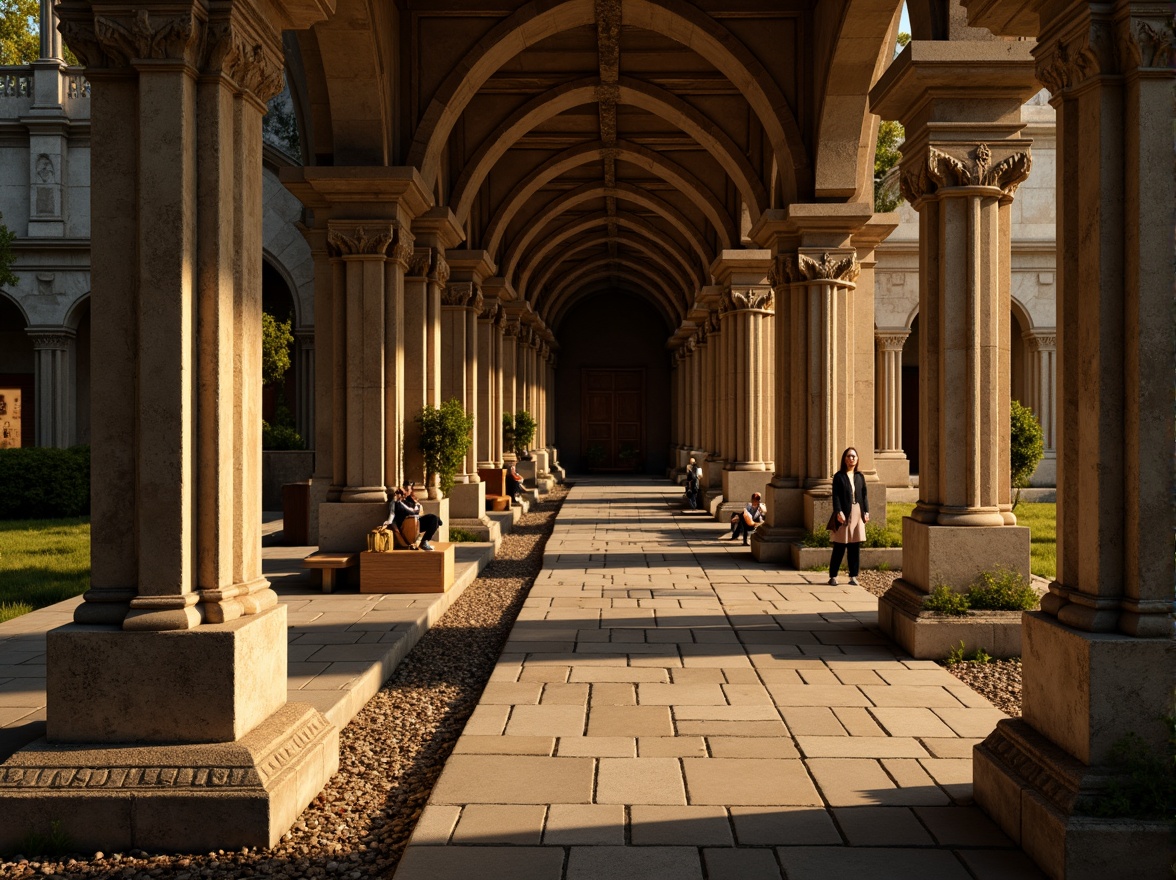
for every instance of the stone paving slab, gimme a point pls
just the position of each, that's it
(342, 646)
(668, 708)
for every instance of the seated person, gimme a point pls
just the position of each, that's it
(744, 523)
(405, 505)
(514, 483)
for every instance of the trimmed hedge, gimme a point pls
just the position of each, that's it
(38, 483)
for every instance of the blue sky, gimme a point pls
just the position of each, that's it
(904, 23)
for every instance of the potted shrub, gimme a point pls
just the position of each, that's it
(595, 456)
(524, 433)
(1026, 449)
(628, 455)
(446, 434)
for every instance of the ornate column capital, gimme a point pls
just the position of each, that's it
(748, 299)
(511, 327)
(1041, 341)
(938, 170)
(348, 239)
(838, 268)
(463, 295)
(891, 340)
(51, 338)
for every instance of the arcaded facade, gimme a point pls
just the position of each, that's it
(474, 179)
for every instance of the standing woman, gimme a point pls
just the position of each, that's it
(852, 509)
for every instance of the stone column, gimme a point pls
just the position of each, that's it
(510, 366)
(426, 274)
(54, 380)
(488, 420)
(1099, 658)
(461, 303)
(1041, 385)
(361, 373)
(822, 326)
(746, 304)
(713, 464)
(962, 162)
(305, 382)
(180, 670)
(894, 469)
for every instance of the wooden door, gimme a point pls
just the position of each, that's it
(613, 418)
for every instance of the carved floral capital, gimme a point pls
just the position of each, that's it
(940, 170)
(463, 295)
(352, 241)
(891, 341)
(827, 268)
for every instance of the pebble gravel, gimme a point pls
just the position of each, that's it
(998, 681)
(391, 753)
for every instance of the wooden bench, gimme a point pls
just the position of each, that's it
(329, 563)
(408, 571)
(495, 480)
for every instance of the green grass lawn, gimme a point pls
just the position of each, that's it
(42, 561)
(1040, 518)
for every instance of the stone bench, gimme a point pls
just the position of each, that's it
(407, 571)
(329, 563)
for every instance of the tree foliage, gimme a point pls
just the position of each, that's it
(20, 40)
(524, 431)
(1027, 446)
(886, 155)
(7, 257)
(446, 434)
(276, 340)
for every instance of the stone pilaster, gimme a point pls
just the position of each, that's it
(1041, 397)
(894, 469)
(1099, 658)
(304, 381)
(54, 378)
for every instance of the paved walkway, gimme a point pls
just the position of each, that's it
(666, 707)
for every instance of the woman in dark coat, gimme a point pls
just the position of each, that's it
(852, 509)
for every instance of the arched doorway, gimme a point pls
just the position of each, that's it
(17, 388)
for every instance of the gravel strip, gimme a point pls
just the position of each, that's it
(391, 753)
(998, 681)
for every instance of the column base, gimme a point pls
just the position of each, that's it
(343, 528)
(214, 683)
(955, 555)
(894, 469)
(738, 486)
(774, 543)
(171, 798)
(1036, 793)
(467, 500)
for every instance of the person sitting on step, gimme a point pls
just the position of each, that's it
(745, 522)
(404, 506)
(514, 483)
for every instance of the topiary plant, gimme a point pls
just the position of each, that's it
(1026, 449)
(524, 431)
(446, 434)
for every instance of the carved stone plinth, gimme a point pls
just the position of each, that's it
(211, 684)
(468, 500)
(1036, 793)
(953, 555)
(185, 798)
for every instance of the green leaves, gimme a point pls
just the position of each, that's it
(276, 341)
(446, 434)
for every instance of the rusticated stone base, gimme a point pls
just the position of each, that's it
(927, 636)
(1033, 790)
(180, 798)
